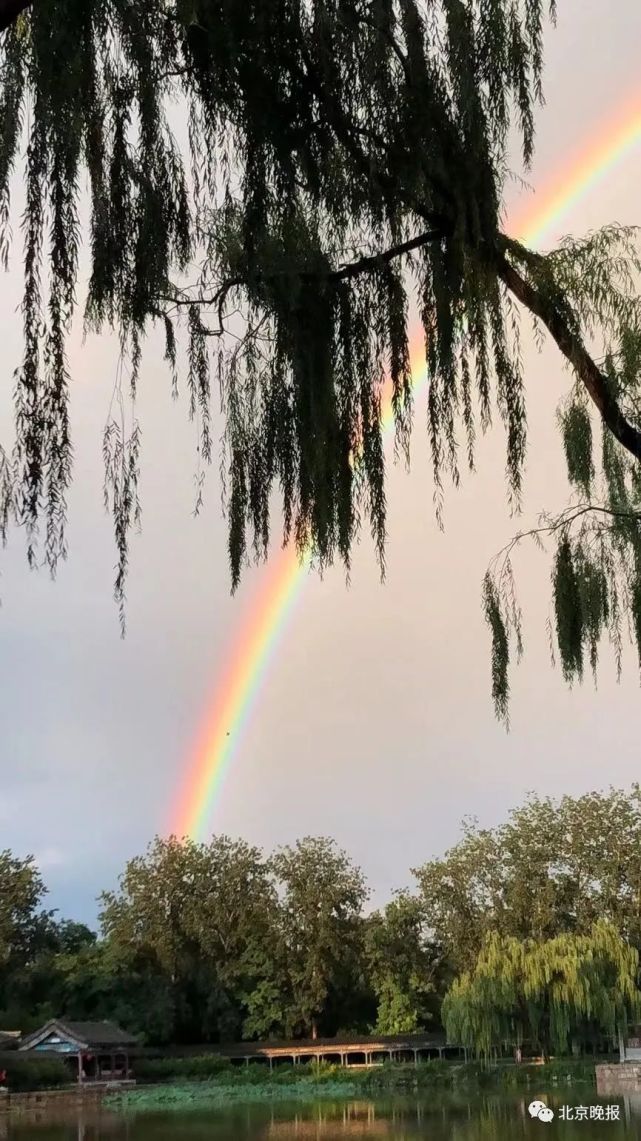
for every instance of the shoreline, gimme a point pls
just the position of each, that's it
(252, 1085)
(333, 1082)
(25, 1101)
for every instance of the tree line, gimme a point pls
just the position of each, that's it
(529, 932)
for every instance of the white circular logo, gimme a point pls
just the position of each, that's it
(540, 1110)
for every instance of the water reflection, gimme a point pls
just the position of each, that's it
(445, 1118)
(356, 1119)
(632, 1105)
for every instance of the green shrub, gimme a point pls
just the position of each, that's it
(167, 1069)
(203, 1094)
(24, 1074)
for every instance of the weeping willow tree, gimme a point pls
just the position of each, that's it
(546, 993)
(275, 184)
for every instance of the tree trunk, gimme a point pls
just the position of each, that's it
(314, 1029)
(575, 352)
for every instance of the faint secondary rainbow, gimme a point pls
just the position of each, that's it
(269, 612)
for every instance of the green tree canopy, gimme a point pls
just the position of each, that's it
(203, 942)
(403, 964)
(235, 945)
(554, 867)
(287, 181)
(196, 918)
(322, 895)
(31, 942)
(544, 991)
(21, 898)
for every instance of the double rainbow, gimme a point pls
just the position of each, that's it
(254, 650)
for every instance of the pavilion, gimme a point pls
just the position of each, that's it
(100, 1051)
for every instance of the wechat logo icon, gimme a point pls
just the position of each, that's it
(540, 1110)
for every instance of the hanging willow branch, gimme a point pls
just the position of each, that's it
(543, 991)
(340, 160)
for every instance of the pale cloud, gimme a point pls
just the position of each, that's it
(51, 858)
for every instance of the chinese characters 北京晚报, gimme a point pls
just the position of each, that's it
(589, 1113)
(542, 1112)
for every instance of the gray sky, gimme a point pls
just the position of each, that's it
(374, 724)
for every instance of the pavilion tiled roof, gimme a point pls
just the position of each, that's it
(90, 1034)
(99, 1033)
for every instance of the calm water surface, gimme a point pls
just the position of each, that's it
(445, 1118)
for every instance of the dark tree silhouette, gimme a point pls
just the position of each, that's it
(341, 158)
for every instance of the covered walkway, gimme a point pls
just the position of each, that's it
(362, 1051)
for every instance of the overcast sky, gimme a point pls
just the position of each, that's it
(374, 724)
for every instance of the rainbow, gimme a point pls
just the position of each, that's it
(271, 610)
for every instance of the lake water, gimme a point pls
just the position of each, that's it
(579, 1114)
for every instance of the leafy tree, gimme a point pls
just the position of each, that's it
(602, 858)
(405, 967)
(460, 894)
(100, 982)
(25, 928)
(552, 868)
(543, 991)
(190, 915)
(232, 914)
(74, 937)
(344, 164)
(23, 891)
(322, 896)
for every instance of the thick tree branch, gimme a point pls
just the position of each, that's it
(344, 272)
(573, 349)
(365, 264)
(10, 10)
